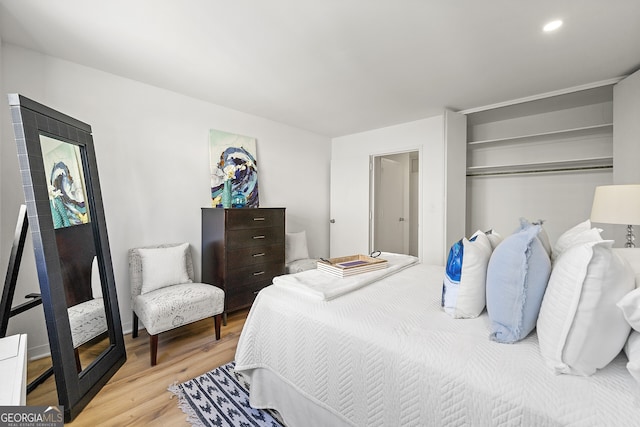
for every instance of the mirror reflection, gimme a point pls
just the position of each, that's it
(76, 246)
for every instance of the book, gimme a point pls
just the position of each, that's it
(350, 265)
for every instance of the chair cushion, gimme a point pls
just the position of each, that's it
(87, 321)
(300, 265)
(173, 306)
(164, 267)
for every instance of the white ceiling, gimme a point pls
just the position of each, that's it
(337, 67)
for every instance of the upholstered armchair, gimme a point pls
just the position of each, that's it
(163, 295)
(87, 319)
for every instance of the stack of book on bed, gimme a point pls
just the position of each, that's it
(350, 265)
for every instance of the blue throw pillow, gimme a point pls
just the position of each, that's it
(463, 288)
(517, 277)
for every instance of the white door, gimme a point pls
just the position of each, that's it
(389, 216)
(345, 219)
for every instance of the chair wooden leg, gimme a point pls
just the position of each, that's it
(217, 320)
(134, 332)
(153, 348)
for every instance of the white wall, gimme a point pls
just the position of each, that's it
(455, 176)
(562, 199)
(350, 194)
(152, 152)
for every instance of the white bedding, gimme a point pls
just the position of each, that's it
(388, 355)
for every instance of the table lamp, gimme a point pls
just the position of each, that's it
(618, 204)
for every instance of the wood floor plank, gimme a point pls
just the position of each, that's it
(137, 394)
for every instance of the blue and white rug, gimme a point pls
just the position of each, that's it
(221, 398)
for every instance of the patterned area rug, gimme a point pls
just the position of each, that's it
(221, 398)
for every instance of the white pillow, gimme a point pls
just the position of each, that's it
(295, 246)
(632, 350)
(543, 236)
(581, 233)
(96, 283)
(630, 306)
(580, 329)
(632, 256)
(464, 285)
(494, 238)
(162, 267)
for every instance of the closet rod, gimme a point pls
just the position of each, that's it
(539, 171)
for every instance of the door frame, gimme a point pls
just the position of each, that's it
(372, 192)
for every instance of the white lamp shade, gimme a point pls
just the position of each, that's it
(616, 204)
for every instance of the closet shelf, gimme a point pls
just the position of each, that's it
(535, 167)
(584, 130)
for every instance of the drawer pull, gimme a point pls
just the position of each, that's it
(259, 218)
(258, 273)
(257, 255)
(258, 237)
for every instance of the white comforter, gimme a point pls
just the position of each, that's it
(387, 355)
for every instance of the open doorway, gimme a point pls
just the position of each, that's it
(394, 183)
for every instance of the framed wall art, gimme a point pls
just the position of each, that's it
(234, 169)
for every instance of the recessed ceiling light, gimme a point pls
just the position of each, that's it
(552, 26)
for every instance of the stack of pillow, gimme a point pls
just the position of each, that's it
(630, 306)
(580, 328)
(580, 294)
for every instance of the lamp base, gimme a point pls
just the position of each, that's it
(630, 238)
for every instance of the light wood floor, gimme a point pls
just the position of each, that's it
(137, 394)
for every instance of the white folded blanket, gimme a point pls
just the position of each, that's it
(326, 286)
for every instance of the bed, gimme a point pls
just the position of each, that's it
(387, 354)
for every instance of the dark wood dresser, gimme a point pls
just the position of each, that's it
(242, 251)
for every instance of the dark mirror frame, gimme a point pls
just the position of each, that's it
(31, 119)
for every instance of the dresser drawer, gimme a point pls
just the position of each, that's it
(255, 256)
(239, 298)
(254, 218)
(254, 237)
(245, 276)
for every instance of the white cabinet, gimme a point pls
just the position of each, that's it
(13, 365)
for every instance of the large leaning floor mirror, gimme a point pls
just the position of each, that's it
(66, 217)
